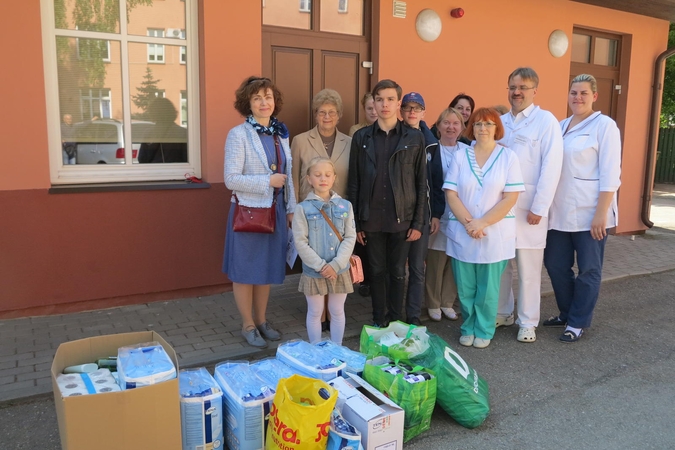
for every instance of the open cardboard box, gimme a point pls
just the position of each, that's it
(146, 417)
(378, 419)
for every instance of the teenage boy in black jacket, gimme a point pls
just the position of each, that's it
(387, 187)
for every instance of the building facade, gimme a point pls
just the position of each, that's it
(90, 235)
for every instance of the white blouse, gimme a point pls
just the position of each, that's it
(480, 189)
(591, 164)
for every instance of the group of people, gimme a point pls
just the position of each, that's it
(458, 203)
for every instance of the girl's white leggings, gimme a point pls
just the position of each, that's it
(336, 307)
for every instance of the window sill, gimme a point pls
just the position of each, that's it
(124, 187)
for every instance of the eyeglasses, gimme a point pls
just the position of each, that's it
(483, 124)
(519, 88)
(412, 108)
(331, 114)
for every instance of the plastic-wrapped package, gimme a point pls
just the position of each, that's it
(270, 371)
(201, 410)
(246, 402)
(354, 360)
(342, 435)
(309, 361)
(97, 382)
(144, 365)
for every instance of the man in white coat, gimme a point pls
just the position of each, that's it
(534, 135)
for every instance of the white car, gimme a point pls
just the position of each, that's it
(102, 141)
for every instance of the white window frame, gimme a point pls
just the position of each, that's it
(79, 56)
(94, 94)
(183, 107)
(182, 55)
(343, 6)
(306, 6)
(156, 51)
(101, 173)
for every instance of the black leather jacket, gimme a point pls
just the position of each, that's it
(407, 173)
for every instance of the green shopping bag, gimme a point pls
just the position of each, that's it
(399, 340)
(417, 397)
(462, 393)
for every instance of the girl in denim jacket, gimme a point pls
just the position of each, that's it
(325, 260)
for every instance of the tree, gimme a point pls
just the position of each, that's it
(147, 92)
(668, 99)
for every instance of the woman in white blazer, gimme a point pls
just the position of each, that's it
(583, 208)
(258, 172)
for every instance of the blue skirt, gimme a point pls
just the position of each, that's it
(257, 258)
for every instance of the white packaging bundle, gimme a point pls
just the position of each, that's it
(308, 360)
(201, 410)
(246, 402)
(97, 382)
(144, 365)
(355, 360)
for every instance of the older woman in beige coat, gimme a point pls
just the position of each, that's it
(322, 140)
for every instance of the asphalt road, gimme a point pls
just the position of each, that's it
(613, 389)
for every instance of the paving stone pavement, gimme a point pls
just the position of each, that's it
(205, 330)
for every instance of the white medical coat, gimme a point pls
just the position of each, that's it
(501, 173)
(591, 164)
(439, 241)
(537, 141)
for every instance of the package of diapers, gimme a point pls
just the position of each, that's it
(97, 382)
(144, 365)
(355, 360)
(270, 371)
(201, 410)
(310, 361)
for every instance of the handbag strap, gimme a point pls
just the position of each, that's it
(330, 222)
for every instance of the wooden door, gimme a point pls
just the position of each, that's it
(598, 54)
(304, 61)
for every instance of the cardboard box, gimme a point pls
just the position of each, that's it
(378, 419)
(147, 417)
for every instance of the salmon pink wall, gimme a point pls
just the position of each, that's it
(476, 53)
(23, 119)
(231, 48)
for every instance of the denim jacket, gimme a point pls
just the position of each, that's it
(315, 240)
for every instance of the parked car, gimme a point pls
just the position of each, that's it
(102, 141)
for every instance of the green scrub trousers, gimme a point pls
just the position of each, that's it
(478, 289)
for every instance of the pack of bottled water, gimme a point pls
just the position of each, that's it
(355, 360)
(310, 361)
(143, 365)
(201, 410)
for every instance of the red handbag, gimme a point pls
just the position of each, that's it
(257, 220)
(355, 266)
(254, 220)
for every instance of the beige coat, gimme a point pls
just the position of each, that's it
(307, 146)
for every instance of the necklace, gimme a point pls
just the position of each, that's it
(328, 144)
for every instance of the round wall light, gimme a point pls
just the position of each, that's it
(558, 43)
(428, 25)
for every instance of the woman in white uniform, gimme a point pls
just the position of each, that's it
(440, 287)
(583, 208)
(482, 187)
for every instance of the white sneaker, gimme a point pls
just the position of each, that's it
(466, 341)
(435, 314)
(449, 313)
(527, 334)
(505, 321)
(481, 343)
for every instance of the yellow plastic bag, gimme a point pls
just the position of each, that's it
(300, 414)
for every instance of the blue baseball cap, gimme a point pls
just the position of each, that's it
(413, 97)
